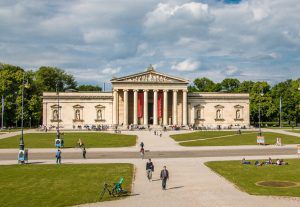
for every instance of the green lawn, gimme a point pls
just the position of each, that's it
(246, 138)
(59, 185)
(295, 130)
(245, 176)
(93, 139)
(13, 130)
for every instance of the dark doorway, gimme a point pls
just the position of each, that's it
(150, 113)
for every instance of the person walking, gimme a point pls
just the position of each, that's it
(149, 169)
(83, 152)
(164, 176)
(58, 156)
(142, 145)
(142, 151)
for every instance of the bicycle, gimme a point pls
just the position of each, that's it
(106, 187)
(115, 190)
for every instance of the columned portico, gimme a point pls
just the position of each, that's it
(147, 97)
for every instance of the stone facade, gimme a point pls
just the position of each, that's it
(147, 98)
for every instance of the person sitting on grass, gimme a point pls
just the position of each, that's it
(278, 162)
(269, 162)
(257, 163)
(244, 162)
(281, 162)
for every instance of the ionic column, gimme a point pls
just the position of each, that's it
(125, 108)
(145, 107)
(184, 106)
(135, 108)
(174, 115)
(115, 107)
(165, 115)
(154, 107)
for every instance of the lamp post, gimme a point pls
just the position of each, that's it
(58, 116)
(2, 112)
(259, 113)
(22, 145)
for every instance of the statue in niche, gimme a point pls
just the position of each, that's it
(77, 114)
(99, 114)
(238, 114)
(55, 114)
(219, 116)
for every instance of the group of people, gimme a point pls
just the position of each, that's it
(267, 162)
(158, 133)
(164, 173)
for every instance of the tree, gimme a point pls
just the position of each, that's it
(245, 87)
(288, 91)
(89, 88)
(204, 85)
(230, 84)
(260, 95)
(48, 77)
(11, 88)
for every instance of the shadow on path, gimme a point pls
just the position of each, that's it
(173, 188)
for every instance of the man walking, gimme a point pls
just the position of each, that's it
(149, 169)
(83, 152)
(164, 176)
(58, 156)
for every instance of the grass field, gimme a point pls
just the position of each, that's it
(93, 139)
(13, 130)
(59, 185)
(246, 138)
(245, 177)
(295, 130)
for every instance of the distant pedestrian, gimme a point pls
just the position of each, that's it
(84, 153)
(142, 151)
(58, 156)
(142, 145)
(164, 176)
(160, 134)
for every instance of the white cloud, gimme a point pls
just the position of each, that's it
(187, 65)
(252, 39)
(111, 71)
(187, 18)
(100, 35)
(231, 70)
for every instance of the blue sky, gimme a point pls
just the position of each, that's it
(96, 40)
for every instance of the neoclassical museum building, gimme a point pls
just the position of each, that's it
(146, 98)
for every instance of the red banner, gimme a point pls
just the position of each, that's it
(159, 104)
(140, 104)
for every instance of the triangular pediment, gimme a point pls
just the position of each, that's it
(149, 76)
